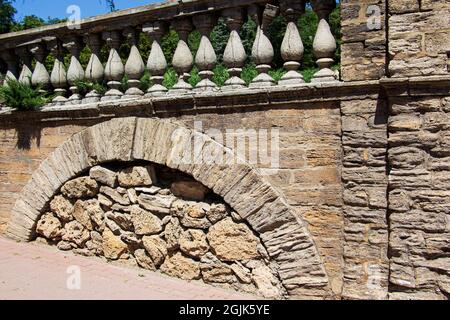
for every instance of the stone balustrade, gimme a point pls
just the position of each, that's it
(23, 50)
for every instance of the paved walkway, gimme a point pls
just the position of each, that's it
(30, 271)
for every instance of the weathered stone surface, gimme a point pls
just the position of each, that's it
(189, 190)
(64, 246)
(115, 196)
(198, 211)
(49, 226)
(144, 260)
(266, 283)
(232, 242)
(193, 243)
(137, 176)
(156, 249)
(242, 273)
(62, 207)
(144, 222)
(155, 203)
(104, 176)
(216, 213)
(80, 188)
(181, 267)
(113, 246)
(172, 233)
(82, 216)
(122, 220)
(218, 273)
(75, 232)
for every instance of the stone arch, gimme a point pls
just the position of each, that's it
(168, 143)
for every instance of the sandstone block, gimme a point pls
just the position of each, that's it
(144, 222)
(193, 243)
(62, 207)
(137, 177)
(113, 246)
(181, 267)
(232, 242)
(83, 187)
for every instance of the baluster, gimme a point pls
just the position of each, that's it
(40, 77)
(234, 56)
(94, 70)
(157, 63)
(75, 72)
(262, 51)
(114, 70)
(324, 45)
(25, 58)
(206, 58)
(11, 65)
(182, 59)
(292, 48)
(58, 77)
(134, 67)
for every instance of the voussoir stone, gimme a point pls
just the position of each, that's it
(104, 176)
(145, 223)
(137, 177)
(190, 190)
(156, 249)
(193, 243)
(62, 207)
(49, 226)
(233, 242)
(181, 267)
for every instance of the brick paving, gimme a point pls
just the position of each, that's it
(31, 271)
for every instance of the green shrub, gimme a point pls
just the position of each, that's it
(85, 86)
(20, 96)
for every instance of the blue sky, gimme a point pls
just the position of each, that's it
(57, 8)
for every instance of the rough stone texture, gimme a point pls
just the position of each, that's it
(155, 239)
(366, 265)
(137, 176)
(113, 246)
(181, 267)
(418, 39)
(144, 222)
(419, 193)
(364, 40)
(232, 242)
(49, 226)
(193, 243)
(80, 188)
(104, 176)
(62, 207)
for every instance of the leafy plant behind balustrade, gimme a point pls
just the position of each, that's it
(20, 96)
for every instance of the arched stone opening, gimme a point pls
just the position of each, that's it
(241, 186)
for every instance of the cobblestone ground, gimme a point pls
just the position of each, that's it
(29, 271)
